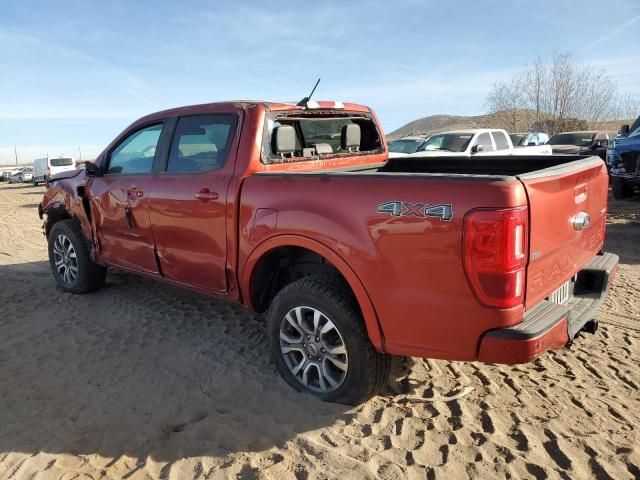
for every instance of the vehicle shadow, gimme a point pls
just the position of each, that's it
(622, 239)
(145, 370)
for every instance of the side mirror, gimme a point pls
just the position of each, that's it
(477, 148)
(624, 130)
(92, 169)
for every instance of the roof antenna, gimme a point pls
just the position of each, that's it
(305, 100)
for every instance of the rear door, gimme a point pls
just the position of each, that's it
(120, 200)
(567, 210)
(189, 200)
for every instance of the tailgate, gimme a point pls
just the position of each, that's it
(567, 212)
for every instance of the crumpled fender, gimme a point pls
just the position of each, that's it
(63, 199)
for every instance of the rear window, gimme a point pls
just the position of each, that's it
(61, 162)
(321, 136)
(518, 138)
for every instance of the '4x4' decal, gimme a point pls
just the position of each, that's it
(443, 211)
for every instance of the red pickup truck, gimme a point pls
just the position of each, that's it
(297, 212)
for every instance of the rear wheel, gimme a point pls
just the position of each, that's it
(618, 188)
(70, 262)
(319, 342)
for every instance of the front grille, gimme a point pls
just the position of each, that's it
(561, 295)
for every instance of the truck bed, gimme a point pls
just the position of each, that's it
(411, 262)
(490, 165)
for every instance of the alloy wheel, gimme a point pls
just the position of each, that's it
(313, 349)
(65, 259)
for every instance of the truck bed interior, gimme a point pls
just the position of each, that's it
(489, 165)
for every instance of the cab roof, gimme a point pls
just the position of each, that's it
(216, 107)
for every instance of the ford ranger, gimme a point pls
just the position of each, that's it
(297, 212)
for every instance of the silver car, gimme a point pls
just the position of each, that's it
(22, 175)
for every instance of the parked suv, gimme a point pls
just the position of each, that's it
(528, 139)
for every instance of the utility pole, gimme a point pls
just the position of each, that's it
(15, 152)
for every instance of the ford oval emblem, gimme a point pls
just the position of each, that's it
(581, 221)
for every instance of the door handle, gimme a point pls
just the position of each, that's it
(136, 192)
(205, 195)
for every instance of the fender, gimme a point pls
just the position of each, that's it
(368, 311)
(62, 198)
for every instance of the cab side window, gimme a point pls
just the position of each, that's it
(501, 141)
(135, 153)
(201, 143)
(484, 139)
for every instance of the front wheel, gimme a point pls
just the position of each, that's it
(319, 342)
(70, 262)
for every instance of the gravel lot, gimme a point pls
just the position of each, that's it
(142, 380)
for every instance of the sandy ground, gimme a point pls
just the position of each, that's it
(142, 380)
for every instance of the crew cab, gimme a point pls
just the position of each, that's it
(473, 142)
(296, 212)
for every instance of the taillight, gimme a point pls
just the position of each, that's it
(495, 255)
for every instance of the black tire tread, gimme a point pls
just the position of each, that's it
(617, 187)
(335, 289)
(95, 274)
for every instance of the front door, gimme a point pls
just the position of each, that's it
(189, 201)
(120, 201)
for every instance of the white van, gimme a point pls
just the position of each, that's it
(44, 168)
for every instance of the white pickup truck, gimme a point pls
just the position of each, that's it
(476, 142)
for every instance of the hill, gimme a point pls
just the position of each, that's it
(510, 120)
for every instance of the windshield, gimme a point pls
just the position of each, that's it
(61, 162)
(517, 138)
(448, 142)
(583, 139)
(405, 146)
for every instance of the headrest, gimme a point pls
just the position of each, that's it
(284, 139)
(350, 136)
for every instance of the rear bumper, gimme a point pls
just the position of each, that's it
(549, 325)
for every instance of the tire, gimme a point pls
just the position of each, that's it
(366, 369)
(88, 276)
(617, 187)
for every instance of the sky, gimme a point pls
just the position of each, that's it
(75, 73)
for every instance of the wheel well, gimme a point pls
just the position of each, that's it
(54, 215)
(282, 266)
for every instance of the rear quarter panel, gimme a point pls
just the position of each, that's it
(411, 268)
